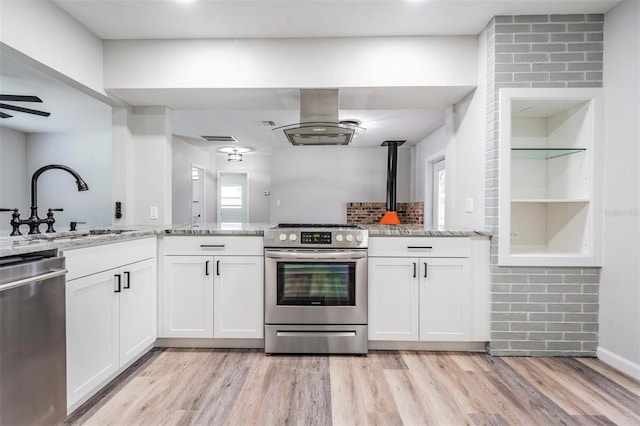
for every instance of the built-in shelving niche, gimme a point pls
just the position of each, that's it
(550, 175)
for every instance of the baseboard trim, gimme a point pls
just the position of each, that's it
(619, 363)
(183, 342)
(387, 345)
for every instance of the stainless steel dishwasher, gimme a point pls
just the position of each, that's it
(32, 340)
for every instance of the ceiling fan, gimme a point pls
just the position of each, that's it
(20, 98)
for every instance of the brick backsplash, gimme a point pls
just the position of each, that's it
(537, 311)
(371, 213)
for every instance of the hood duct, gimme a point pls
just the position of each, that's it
(319, 123)
(391, 216)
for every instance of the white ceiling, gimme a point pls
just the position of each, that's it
(386, 113)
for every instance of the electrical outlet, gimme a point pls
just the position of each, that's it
(153, 212)
(514, 235)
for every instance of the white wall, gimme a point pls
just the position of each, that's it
(466, 153)
(13, 174)
(183, 157)
(48, 35)
(313, 184)
(89, 154)
(281, 63)
(152, 150)
(619, 343)
(430, 149)
(258, 168)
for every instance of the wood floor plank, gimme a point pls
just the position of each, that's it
(359, 392)
(489, 420)
(542, 409)
(629, 383)
(390, 360)
(285, 390)
(246, 387)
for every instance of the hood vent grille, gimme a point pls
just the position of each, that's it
(221, 139)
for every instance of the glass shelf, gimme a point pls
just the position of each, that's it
(549, 200)
(542, 153)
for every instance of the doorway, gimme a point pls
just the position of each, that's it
(233, 198)
(197, 195)
(438, 194)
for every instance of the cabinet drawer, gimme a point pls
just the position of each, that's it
(91, 260)
(226, 245)
(420, 246)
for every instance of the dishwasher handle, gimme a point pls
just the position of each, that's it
(25, 281)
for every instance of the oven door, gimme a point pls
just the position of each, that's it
(316, 286)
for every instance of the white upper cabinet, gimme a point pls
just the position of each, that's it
(550, 177)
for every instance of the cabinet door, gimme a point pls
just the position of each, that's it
(445, 299)
(393, 298)
(92, 309)
(238, 300)
(188, 296)
(137, 309)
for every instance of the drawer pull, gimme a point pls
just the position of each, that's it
(219, 246)
(419, 247)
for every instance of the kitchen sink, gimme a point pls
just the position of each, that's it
(109, 231)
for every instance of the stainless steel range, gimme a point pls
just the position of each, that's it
(316, 289)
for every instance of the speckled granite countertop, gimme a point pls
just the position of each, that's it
(249, 229)
(419, 231)
(10, 246)
(24, 244)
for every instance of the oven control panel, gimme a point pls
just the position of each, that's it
(316, 238)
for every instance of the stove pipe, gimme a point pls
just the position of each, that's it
(391, 216)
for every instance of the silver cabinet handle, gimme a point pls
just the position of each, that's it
(215, 246)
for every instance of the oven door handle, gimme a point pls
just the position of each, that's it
(337, 255)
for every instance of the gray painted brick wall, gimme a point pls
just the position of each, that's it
(539, 311)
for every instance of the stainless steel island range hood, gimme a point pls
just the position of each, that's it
(319, 123)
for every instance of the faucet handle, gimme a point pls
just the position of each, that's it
(56, 210)
(72, 225)
(8, 210)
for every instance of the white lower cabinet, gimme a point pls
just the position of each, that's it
(110, 315)
(212, 295)
(393, 299)
(428, 298)
(187, 297)
(445, 300)
(238, 297)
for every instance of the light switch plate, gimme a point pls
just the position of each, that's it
(468, 205)
(153, 212)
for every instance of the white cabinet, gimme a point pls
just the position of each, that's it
(550, 175)
(238, 297)
(187, 297)
(111, 312)
(414, 295)
(212, 287)
(393, 299)
(92, 333)
(445, 299)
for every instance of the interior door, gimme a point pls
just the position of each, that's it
(233, 198)
(197, 195)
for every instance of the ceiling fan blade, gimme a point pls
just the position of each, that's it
(27, 110)
(20, 98)
(3, 115)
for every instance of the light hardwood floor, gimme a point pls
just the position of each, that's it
(243, 387)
